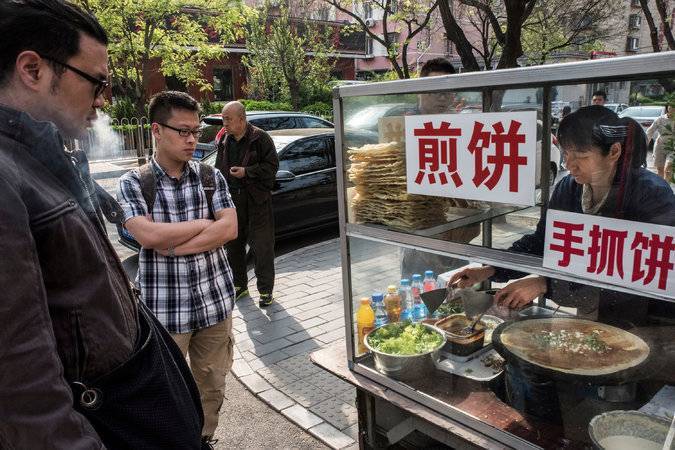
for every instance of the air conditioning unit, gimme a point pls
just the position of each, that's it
(370, 22)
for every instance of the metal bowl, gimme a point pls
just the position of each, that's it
(632, 425)
(405, 367)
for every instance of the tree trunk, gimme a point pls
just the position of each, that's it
(294, 91)
(653, 31)
(455, 34)
(667, 32)
(516, 14)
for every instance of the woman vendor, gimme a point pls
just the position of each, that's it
(606, 158)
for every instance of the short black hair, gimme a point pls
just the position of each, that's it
(602, 94)
(597, 126)
(163, 103)
(51, 28)
(437, 65)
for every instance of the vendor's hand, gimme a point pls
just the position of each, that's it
(238, 172)
(471, 275)
(520, 293)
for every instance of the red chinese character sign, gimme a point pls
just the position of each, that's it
(489, 156)
(631, 254)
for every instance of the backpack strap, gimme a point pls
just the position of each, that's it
(148, 185)
(208, 179)
(111, 208)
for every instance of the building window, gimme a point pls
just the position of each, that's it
(393, 6)
(633, 44)
(367, 10)
(323, 13)
(634, 21)
(222, 84)
(635, 3)
(448, 47)
(392, 38)
(369, 45)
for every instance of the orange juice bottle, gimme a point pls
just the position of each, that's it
(365, 321)
(392, 302)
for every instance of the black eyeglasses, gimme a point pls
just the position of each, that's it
(184, 132)
(101, 85)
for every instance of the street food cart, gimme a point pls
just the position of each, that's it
(460, 167)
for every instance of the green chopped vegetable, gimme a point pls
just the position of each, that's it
(449, 307)
(404, 338)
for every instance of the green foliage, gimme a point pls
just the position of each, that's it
(127, 128)
(209, 107)
(278, 65)
(264, 105)
(569, 25)
(121, 108)
(171, 33)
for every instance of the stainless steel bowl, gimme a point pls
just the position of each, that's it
(624, 425)
(406, 367)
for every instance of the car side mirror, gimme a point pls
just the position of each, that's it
(285, 175)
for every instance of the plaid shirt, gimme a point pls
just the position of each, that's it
(186, 293)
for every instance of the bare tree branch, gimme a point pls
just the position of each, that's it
(653, 31)
(667, 32)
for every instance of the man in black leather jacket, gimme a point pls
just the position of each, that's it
(84, 365)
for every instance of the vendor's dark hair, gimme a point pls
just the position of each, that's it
(163, 103)
(597, 126)
(437, 65)
(49, 27)
(602, 94)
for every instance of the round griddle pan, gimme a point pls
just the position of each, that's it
(628, 375)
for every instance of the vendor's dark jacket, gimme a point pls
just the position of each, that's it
(259, 157)
(646, 198)
(68, 312)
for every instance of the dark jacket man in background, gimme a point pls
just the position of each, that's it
(248, 158)
(84, 365)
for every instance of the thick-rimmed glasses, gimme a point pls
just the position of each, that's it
(101, 85)
(184, 132)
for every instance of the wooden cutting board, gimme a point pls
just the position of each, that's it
(574, 346)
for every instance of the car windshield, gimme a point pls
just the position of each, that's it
(642, 111)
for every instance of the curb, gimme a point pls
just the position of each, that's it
(291, 410)
(280, 402)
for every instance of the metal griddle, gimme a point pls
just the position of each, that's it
(621, 376)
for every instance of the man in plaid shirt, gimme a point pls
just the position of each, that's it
(183, 272)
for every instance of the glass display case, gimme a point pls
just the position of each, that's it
(554, 233)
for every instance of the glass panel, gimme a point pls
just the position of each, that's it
(584, 351)
(377, 192)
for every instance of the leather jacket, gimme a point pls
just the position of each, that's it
(259, 157)
(67, 309)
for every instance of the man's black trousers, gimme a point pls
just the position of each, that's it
(256, 227)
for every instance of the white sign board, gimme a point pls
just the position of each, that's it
(487, 156)
(625, 253)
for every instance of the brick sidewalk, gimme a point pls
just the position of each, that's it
(273, 345)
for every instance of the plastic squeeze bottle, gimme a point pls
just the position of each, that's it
(365, 321)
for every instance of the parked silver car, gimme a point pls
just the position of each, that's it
(644, 115)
